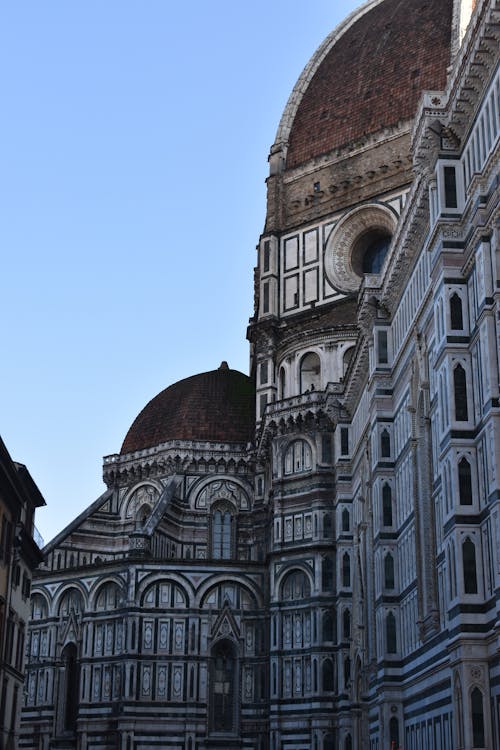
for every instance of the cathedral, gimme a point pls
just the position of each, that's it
(308, 557)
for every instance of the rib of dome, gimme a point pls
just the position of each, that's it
(215, 406)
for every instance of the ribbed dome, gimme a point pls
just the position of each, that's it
(217, 405)
(372, 76)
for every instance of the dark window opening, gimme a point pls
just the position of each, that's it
(347, 671)
(389, 571)
(267, 255)
(387, 505)
(346, 624)
(456, 313)
(460, 391)
(327, 574)
(394, 732)
(465, 482)
(383, 355)
(265, 304)
(327, 676)
(469, 565)
(390, 634)
(370, 252)
(346, 521)
(326, 449)
(478, 739)
(346, 570)
(263, 372)
(450, 187)
(385, 444)
(344, 441)
(328, 627)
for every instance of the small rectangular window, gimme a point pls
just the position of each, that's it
(267, 256)
(383, 357)
(450, 187)
(263, 373)
(265, 304)
(344, 441)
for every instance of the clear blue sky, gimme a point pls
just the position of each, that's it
(134, 141)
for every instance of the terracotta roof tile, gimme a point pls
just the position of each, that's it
(373, 76)
(217, 406)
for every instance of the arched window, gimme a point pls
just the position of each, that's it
(71, 601)
(348, 742)
(108, 597)
(456, 315)
(460, 392)
(346, 521)
(390, 634)
(39, 609)
(142, 516)
(464, 482)
(389, 571)
(469, 566)
(394, 731)
(346, 570)
(296, 586)
(223, 687)
(327, 676)
(387, 505)
(346, 623)
(222, 533)
(327, 573)
(477, 711)
(298, 457)
(71, 687)
(329, 742)
(310, 373)
(385, 444)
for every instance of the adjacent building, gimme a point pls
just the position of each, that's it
(19, 556)
(309, 557)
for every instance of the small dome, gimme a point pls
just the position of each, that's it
(370, 76)
(217, 406)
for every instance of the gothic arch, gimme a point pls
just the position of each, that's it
(44, 603)
(65, 589)
(103, 584)
(214, 581)
(144, 492)
(293, 567)
(208, 490)
(173, 578)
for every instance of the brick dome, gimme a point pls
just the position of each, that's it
(217, 406)
(368, 75)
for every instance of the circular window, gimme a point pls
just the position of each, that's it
(358, 245)
(369, 251)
